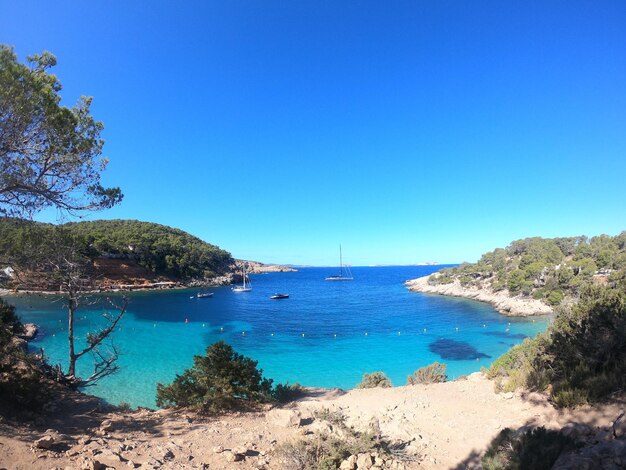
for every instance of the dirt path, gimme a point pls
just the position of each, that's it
(440, 426)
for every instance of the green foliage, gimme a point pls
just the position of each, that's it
(50, 155)
(551, 270)
(537, 449)
(569, 397)
(22, 384)
(284, 393)
(9, 321)
(582, 355)
(374, 380)
(588, 344)
(160, 249)
(433, 373)
(221, 379)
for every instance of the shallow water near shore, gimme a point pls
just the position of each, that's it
(327, 334)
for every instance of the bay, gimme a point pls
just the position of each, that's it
(327, 334)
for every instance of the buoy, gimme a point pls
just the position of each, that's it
(186, 320)
(303, 335)
(335, 335)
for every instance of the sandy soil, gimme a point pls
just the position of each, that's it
(444, 425)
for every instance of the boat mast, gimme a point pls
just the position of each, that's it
(340, 262)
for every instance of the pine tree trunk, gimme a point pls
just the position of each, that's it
(70, 336)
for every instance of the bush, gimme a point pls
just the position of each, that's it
(587, 351)
(433, 373)
(221, 379)
(569, 397)
(284, 393)
(22, 384)
(537, 449)
(375, 380)
(8, 317)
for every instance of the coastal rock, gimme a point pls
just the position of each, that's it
(619, 426)
(364, 461)
(46, 442)
(284, 418)
(232, 456)
(349, 463)
(501, 300)
(106, 426)
(30, 331)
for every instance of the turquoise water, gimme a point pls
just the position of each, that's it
(327, 334)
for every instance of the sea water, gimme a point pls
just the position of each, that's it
(326, 334)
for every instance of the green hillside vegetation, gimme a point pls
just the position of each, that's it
(581, 358)
(547, 269)
(158, 248)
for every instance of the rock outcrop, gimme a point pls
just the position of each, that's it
(502, 301)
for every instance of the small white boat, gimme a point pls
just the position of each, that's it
(344, 271)
(205, 295)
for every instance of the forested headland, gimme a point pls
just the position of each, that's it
(554, 270)
(112, 247)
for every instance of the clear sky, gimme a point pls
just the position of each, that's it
(407, 131)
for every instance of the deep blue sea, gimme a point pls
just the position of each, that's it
(327, 334)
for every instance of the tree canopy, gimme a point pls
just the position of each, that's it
(548, 269)
(50, 155)
(161, 249)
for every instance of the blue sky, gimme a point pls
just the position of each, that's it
(407, 131)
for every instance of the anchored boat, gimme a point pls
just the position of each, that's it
(344, 271)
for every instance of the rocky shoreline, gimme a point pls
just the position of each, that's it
(502, 301)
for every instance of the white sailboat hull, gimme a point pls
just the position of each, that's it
(242, 289)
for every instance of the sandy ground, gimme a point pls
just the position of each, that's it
(444, 425)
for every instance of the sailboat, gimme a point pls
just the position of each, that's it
(344, 271)
(244, 287)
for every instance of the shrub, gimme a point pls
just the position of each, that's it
(221, 379)
(555, 297)
(433, 373)
(375, 380)
(8, 317)
(537, 449)
(284, 393)
(569, 397)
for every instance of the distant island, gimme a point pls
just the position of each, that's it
(534, 275)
